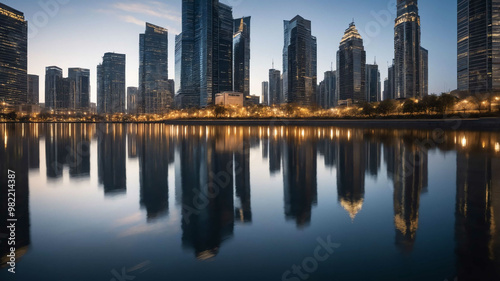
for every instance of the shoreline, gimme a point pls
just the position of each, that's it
(475, 124)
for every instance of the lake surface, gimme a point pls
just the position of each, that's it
(158, 202)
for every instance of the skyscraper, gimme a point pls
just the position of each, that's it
(111, 84)
(478, 45)
(275, 90)
(389, 87)
(13, 56)
(372, 83)
(132, 93)
(241, 56)
(81, 78)
(53, 86)
(351, 67)
(299, 62)
(155, 96)
(33, 89)
(407, 63)
(265, 92)
(327, 97)
(424, 73)
(204, 52)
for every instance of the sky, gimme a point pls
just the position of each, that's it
(77, 33)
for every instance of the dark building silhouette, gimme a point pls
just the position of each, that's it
(79, 150)
(243, 212)
(53, 86)
(33, 89)
(111, 84)
(265, 92)
(81, 92)
(241, 56)
(155, 96)
(299, 62)
(13, 56)
(351, 67)
(275, 90)
(32, 133)
(373, 91)
(389, 84)
(327, 97)
(111, 158)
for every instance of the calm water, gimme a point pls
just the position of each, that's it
(158, 202)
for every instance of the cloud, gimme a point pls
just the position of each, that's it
(150, 8)
(132, 19)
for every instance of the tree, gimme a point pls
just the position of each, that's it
(410, 106)
(219, 111)
(446, 101)
(368, 109)
(386, 107)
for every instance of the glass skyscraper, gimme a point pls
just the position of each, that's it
(265, 92)
(274, 87)
(407, 63)
(81, 79)
(373, 86)
(327, 97)
(204, 52)
(111, 84)
(351, 67)
(33, 89)
(478, 45)
(424, 73)
(53, 86)
(241, 56)
(299, 62)
(155, 95)
(13, 56)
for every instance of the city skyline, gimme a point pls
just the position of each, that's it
(372, 14)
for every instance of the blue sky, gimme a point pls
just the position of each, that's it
(76, 33)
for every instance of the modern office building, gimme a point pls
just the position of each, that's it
(155, 96)
(33, 89)
(478, 45)
(132, 96)
(81, 79)
(327, 97)
(265, 92)
(111, 84)
(230, 98)
(373, 86)
(53, 84)
(241, 56)
(275, 90)
(13, 56)
(204, 56)
(351, 67)
(389, 85)
(407, 62)
(424, 73)
(299, 62)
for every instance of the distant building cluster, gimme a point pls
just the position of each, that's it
(212, 56)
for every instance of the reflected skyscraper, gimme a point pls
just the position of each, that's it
(351, 67)
(478, 45)
(300, 175)
(111, 84)
(13, 56)
(243, 212)
(111, 158)
(32, 133)
(79, 156)
(155, 96)
(204, 52)
(56, 149)
(299, 62)
(241, 56)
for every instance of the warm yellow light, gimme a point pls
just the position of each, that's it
(497, 147)
(464, 142)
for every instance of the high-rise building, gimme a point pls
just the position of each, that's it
(389, 88)
(33, 89)
(299, 62)
(81, 78)
(204, 52)
(53, 86)
(373, 83)
(478, 48)
(265, 92)
(132, 95)
(241, 56)
(407, 63)
(13, 56)
(327, 97)
(155, 95)
(351, 67)
(275, 90)
(111, 84)
(424, 73)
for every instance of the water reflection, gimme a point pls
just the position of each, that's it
(213, 177)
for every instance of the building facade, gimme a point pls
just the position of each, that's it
(351, 67)
(265, 92)
(33, 89)
(13, 56)
(299, 62)
(204, 56)
(373, 86)
(53, 86)
(407, 50)
(81, 79)
(389, 85)
(275, 90)
(424, 73)
(111, 84)
(478, 45)
(327, 97)
(241, 56)
(132, 97)
(155, 95)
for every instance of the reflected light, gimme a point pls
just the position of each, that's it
(497, 147)
(464, 142)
